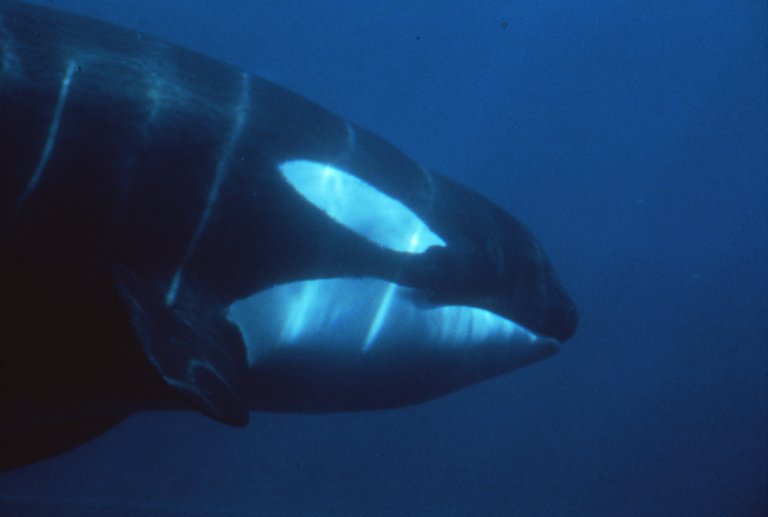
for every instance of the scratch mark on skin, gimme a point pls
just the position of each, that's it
(218, 178)
(50, 141)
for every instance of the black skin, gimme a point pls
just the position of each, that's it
(122, 195)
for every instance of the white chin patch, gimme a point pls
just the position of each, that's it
(360, 207)
(357, 316)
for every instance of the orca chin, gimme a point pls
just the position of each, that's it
(358, 316)
(371, 344)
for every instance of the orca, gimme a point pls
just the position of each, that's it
(177, 233)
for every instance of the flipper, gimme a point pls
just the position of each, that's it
(196, 351)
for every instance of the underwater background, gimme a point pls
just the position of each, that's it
(632, 139)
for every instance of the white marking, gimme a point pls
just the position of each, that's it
(430, 185)
(351, 136)
(339, 314)
(53, 130)
(10, 64)
(221, 169)
(296, 321)
(381, 316)
(386, 300)
(173, 287)
(359, 206)
(155, 95)
(164, 89)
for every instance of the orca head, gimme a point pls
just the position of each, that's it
(446, 270)
(492, 262)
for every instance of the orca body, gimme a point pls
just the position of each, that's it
(174, 231)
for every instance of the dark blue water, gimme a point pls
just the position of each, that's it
(631, 137)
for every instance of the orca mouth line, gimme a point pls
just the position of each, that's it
(365, 315)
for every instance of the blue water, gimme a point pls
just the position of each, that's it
(632, 138)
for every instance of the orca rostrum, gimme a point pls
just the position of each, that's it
(176, 232)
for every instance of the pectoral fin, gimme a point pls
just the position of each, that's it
(193, 348)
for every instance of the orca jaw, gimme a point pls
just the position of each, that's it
(365, 315)
(364, 339)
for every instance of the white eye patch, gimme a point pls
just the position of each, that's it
(360, 207)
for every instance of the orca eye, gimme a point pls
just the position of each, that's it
(360, 207)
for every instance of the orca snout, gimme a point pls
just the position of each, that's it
(565, 320)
